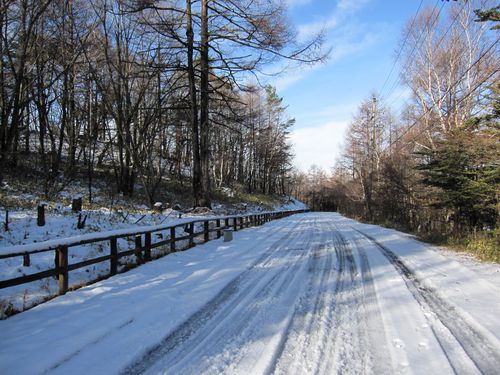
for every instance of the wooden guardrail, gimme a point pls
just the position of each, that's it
(144, 243)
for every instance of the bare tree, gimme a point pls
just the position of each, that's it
(18, 21)
(365, 143)
(448, 66)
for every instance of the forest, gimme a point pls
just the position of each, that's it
(433, 169)
(145, 91)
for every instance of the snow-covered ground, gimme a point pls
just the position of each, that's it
(312, 293)
(61, 223)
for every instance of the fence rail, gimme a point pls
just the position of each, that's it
(142, 249)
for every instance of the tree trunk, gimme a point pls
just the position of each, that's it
(204, 113)
(196, 167)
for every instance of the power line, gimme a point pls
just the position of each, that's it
(458, 81)
(438, 44)
(466, 96)
(405, 41)
(402, 47)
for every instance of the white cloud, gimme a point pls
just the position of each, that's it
(348, 6)
(293, 75)
(339, 112)
(286, 81)
(351, 38)
(398, 96)
(293, 3)
(349, 44)
(342, 48)
(343, 10)
(320, 145)
(308, 30)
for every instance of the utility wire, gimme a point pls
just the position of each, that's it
(438, 44)
(458, 81)
(460, 101)
(406, 40)
(465, 97)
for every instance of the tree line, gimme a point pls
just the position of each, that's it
(146, 90)
(433, 169)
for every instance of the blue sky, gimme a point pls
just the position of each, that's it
(363, 35)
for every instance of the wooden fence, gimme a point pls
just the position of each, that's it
(144, 243)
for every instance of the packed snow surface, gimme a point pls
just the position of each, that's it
(312, 293)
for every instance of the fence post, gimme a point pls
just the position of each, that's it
(147, 246)
(241, 222)
(217, 223)
(138, 249)
(76, 204)
(235, 224)
(62, 260)
(26, 260)
(191, 234)
(172, 239)
(6, 224)
(40, 217)
(226, 223)
(206, 234)
(113, 252)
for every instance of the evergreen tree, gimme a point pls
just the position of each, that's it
(492, 14)
(464, 169)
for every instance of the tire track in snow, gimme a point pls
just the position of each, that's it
(305, 329)
(227, 344)
(327, 332)
(483, 353)
(180, 342)
(380, 361)
(345, 350)
(255, 341)
(101, 337)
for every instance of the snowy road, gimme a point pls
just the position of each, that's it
(310, 294)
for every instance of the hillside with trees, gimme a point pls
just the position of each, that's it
(137, 93)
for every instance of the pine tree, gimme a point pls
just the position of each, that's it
(464, 169)
(492, 14)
